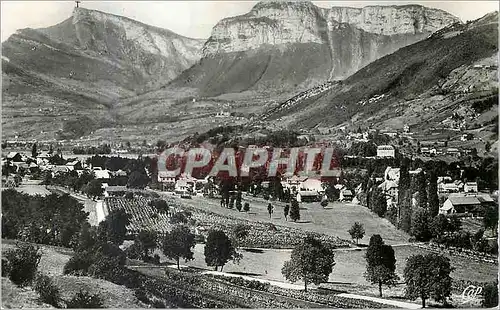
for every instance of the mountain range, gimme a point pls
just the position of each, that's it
(102, 76)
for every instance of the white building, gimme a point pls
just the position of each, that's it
(184, 185)
(392, 174)
(346, 195)
(470, 187)
(311, 184)
(101, 174)
(166, 176)
(386, 151)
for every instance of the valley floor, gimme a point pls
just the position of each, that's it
(335, 220)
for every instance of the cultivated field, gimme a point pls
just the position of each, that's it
(334, 220)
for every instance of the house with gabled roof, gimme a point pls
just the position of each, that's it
(464, 203)
(15, 156)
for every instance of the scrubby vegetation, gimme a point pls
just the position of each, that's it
(51, 219)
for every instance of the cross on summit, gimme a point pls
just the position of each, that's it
(77, 3)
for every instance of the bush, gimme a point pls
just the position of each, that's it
(178, 218)
(129, 195)
(134, 251)
(78, 264)
(23, 263)
(156, 259)
(158, 304)
(246, 207)
(141, 295)
(5, 268)
(85, 300)
(48, 291)
(108, 268)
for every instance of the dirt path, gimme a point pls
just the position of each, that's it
(399, 304)
(285, 285)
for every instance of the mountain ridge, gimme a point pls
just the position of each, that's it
(425, 73)
(131, 103)
(94, 58)
(341, 39)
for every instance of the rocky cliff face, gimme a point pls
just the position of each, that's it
(155, 52)
(103, 48)
(303, 22)
(354, 37)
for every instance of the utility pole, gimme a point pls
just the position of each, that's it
(77, 3)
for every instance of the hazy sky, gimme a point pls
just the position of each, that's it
(189, 18)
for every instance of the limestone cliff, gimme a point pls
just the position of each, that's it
(354, 37)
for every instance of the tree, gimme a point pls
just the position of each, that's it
(160, 205)
(23, 263)
(240, 231)
(455, 223)
(238, 201)
(178, 243)
(137, 179)
(270, 210)
(428, 276)
(439, 225)
(490, 219)
(405, 210)
(114, 227)
(218, 249)
(422, 190)
(295, 210)
(34, 152)
(433, 194)
(420, 225)
(311, 261)
(286, 211)
(147, 240)
(404, 176)
(378, 202)
(357, 231)
(490, 295)
(404, 197)
(87, 238)
(381, 263)
(178, 218)
(246, 207)
(94, 189)
(487, 146)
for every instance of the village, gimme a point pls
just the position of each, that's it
(352, 204)
(457, 196)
